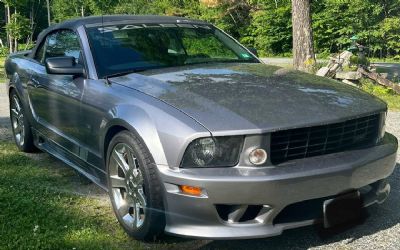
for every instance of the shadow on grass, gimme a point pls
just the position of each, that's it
(381, 217)
(5, 129)
(38, 211)
(35, 214)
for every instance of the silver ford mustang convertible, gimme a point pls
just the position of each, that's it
(192, 135)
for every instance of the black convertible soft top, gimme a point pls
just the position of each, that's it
(73, 24)
(110, 19)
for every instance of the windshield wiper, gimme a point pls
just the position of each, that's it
(124, 73)
(223, 61)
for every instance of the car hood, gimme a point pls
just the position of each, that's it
(246, 98)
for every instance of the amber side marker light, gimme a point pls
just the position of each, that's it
(190, 190)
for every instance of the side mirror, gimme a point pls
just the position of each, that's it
(64, 65)
(254, 51)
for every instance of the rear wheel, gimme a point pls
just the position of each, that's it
(134, 188)
(20, 125)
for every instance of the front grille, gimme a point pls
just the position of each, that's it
(312, 141)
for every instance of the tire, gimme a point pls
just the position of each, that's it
(21, 128)
(132, 179)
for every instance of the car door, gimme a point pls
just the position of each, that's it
(55, 99)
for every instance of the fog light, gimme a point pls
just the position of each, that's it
(190, 190)
(258, 156)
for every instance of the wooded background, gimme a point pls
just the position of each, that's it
(263, 24)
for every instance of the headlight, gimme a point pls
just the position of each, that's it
(221, 151)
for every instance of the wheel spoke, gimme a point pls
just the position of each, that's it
(141, 198)
(18, 130)
(118, 157)
(15, 113)
(139, 179)
(131, 160)
(17, 105)
(123, 209)
(117, 182)
(129, 220)
(138, 221)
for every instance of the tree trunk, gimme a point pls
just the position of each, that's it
(15, 45)
(15, 39)
(9, 38)
(303, 47)
(48, 12)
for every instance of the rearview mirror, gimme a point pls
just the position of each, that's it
(254, 51)
(64, 65)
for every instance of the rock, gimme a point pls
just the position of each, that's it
(350, 75)
(323, 71)
(335, 64)
(349, 83)
(384, 75)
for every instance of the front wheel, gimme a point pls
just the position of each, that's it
(20, 124)
(134, 188)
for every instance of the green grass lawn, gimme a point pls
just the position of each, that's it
(35, 212)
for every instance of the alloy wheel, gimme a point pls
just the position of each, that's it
(17, 120)
(127, 186)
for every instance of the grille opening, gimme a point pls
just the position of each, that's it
(238, 213)
(251, 213)
(319, 140)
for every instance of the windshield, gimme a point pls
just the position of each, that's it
(125, 48)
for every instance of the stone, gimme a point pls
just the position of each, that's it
(323, 71)
(349, 75)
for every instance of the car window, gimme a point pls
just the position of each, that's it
(126, 47)
(39, 56)
(63, 43)
(199, 44)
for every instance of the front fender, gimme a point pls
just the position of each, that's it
(164, 130)
(137, 121)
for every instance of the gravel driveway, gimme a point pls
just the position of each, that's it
(380, 231)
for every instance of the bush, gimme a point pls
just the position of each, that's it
(4, 52)
(23, 46)
(357, 60)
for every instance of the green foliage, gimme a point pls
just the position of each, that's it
(270, 30)
(386, 94)
(4, 52)
(356, 60)
(265, 25)
(19, 26)
(390, 29)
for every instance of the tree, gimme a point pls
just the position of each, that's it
(67, 9)
(48, 12)
(8, 20)
(303, 45)
(270, 30)
(17, 28)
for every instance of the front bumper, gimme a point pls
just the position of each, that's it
(272, 189)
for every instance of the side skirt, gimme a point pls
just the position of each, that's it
(92, 173)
